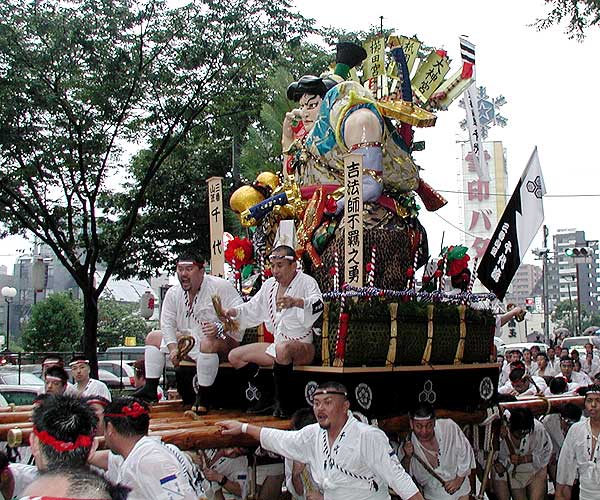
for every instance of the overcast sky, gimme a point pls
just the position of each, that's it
(548, 80)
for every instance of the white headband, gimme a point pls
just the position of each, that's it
(79, 361)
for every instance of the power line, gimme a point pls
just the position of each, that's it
(454, 226)
(545, 196)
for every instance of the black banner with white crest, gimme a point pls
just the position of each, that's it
(518, 225)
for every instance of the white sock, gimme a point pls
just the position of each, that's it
(154, 361)
(207, 366)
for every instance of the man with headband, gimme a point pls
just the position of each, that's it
(348, 460)
(150, 468)
(188, 309)
(84, 385)
(63, 432)
(441, 446)
(288, 303)
(56, 380)
(580, 453)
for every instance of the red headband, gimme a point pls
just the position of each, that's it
(136, 410)
(97, 401)
(63, 446)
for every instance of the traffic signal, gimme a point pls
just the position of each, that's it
(529, 303)
(579, 251)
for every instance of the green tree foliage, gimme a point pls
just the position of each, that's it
(55, 324)
(82, 83)
(580, 15)
(565, 316)
(117, 320)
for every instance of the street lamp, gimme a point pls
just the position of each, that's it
(9, 293)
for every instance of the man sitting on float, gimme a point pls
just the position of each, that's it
(288, 303)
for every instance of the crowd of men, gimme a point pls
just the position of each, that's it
(331, 453)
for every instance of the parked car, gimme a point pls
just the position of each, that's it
(19, 394)
(521, 346)
(11, 376)
(125, 353)
(579, 342)
(122, 370)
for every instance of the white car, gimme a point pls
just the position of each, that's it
(19, 394)
(122, 370)
(521, 346)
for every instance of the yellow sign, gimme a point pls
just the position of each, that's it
(374, 64)
(430, 75)
(130, 342)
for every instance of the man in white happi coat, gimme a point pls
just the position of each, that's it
(348, 460)
(84, 385)
(525, 451)
(188, 310)
(288, 303)
(557, 425)
(566, 368)
(580, 453)
(520, 383)
(150, 468)
(438, 445)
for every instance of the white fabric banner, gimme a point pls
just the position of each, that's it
(474, 127)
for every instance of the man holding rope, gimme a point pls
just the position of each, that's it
(438, 456)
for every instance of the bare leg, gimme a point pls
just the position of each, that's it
(251, 353)
(501, 489)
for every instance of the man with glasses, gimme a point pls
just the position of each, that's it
(579, 456)
(288, 303)
(348, 460)
(523, 457)
(188, 310)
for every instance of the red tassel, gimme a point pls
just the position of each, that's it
(340, 347)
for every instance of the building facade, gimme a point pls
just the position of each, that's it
(567, 280)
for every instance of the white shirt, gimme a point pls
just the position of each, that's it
(554, 366)
(580, 378)
(23, 476)
(153, 471)
(455, 457)
(574, 461)
(94, 388)
(591, 368)
(552, 424)
(234, 469)
(508, 388)
(178, 315)
(359, 465)
(537, 443)
(294, 323)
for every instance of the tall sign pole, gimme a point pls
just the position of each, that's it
(353, 221)
(215, 210)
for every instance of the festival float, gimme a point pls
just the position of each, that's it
(350, 208)
(356, 229)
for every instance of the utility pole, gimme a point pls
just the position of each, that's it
(545, 285)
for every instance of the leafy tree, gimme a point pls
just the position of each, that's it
(82, 83)
(565, 315)
(117, 320)
(580, 14)
(55, 324)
